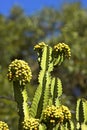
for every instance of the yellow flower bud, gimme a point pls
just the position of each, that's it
(62, 49)
(31, 124)
(39, 46)
(19, 70)
(3, 126)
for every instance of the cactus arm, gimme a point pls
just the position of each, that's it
(46, 91)
(56, 91)
(36, 99)
(59, 92)
(19, 99)
(45, 82)
(42, 94)
(37, 102)
(20, 73)
(47, 96)
(81, 112)
(20, 96)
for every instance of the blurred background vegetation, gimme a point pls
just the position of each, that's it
(18, 35)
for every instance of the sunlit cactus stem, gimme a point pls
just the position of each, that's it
(41, 97)
(20, 96)
(19, 72)
(81, 112)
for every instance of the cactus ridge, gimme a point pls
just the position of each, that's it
(39, 92)
(36, 99)
(85, 110)
(80, 111)
(25, 103)
(56, 90)
(59, 88)
(48, 78)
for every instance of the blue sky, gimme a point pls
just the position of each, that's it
(31, 6)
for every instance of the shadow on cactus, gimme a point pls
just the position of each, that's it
(46, 111)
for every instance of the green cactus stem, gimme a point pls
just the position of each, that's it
(42, 93)
(56, 91)
(19, 72)
(81, 112)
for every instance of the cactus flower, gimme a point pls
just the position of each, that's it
(19, 70)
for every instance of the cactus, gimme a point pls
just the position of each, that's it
(19, 72)
(45, 93)
(46, 111)
(49, 89)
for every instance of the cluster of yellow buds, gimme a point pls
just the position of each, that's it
(39, 46)
(62, 48)
(31, 124)
(54, 115)
(19, 70)
(3, 126)
(66, 112)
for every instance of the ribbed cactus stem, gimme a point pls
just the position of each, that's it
(20, 96)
